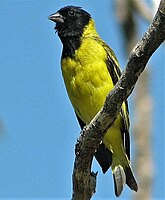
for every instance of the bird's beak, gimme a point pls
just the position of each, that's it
(56, 17)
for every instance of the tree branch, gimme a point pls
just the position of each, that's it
(84, 182)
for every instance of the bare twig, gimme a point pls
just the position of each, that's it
(84, 182)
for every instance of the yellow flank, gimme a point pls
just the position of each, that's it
(88, 82)
(87, 79)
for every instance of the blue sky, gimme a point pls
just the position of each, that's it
(40, 129)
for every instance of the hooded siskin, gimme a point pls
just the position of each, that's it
(90, 70)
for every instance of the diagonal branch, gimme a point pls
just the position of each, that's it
(84, 182)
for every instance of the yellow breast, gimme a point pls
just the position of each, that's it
(87, 78)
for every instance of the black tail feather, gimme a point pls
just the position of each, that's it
(104, 157)
(130, 179)
(121, 176)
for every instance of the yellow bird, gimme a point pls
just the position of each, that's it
(90, 70)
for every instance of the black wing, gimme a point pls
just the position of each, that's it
(115, 73)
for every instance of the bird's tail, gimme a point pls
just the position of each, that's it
(123, 175)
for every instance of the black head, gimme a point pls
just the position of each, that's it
(70, 21)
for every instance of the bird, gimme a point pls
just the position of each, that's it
(90, 71)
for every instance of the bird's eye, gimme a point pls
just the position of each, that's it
(71, 13)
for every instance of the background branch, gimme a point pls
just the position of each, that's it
(142, 104)
(142, 135)
(84, 182)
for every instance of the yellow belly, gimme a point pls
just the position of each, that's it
(88, 82)
(87, 79)
(87, 90)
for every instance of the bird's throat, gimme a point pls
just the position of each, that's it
(70, 45)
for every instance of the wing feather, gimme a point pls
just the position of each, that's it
(115, 73)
